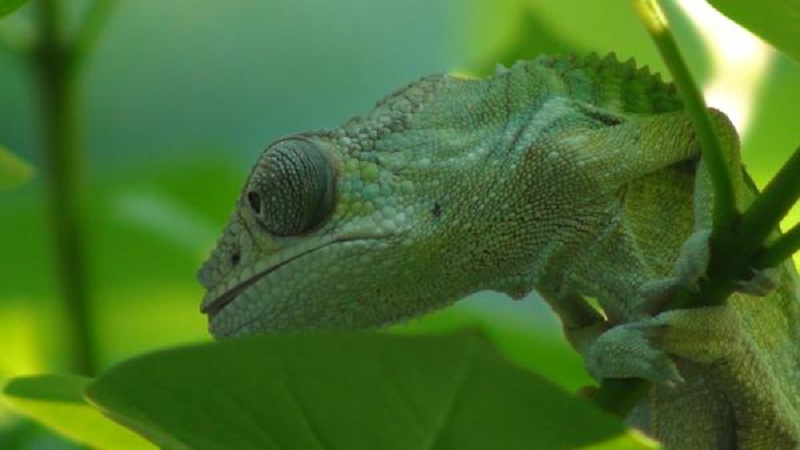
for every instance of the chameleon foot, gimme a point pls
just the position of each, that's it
(629, 351)
(645, 349)
(690, 268)
(764, 281)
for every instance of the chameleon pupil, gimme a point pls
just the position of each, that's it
(255, 201)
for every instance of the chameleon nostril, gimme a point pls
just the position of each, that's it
(235, 258)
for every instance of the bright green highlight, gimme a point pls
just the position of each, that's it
(775, 21)
(57, 401)
(13, 170)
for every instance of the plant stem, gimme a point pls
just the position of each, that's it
(724, 210)
(777, 198)
(783, 248)
(63, 180)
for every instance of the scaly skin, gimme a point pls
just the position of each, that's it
(576, 177)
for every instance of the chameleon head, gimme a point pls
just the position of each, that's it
(448, 186)
(364, 225)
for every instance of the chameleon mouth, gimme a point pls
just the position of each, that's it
(212, 307)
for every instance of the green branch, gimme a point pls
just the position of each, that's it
(737, 241)
(783, 248)
(56, 58)
(774, 202)
(63, 180)
(724, 212)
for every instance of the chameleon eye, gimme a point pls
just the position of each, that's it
(291, 188)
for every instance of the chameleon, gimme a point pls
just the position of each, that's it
(579, 177)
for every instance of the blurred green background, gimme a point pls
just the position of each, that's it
(181, 97)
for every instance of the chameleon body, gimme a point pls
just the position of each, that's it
(579, 177)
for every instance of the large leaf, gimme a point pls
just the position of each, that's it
(349, 391)
(526, 332)
(775, 21)
(9, 6)
(57, 401)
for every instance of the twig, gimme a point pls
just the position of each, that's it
(63, 180)
(770, 206)
(724, 212)
(783, 248)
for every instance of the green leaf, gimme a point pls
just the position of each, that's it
(532, 343)
(9, 6)
(57, 401)
(349, 391)
(775, 21)
(533, 36)
(13, 170)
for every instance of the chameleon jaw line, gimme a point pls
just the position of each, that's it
(215, 306)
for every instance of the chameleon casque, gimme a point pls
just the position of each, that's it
(578, 177)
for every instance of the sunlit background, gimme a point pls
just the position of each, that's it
(181, 97)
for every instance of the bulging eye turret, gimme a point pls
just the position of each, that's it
(291, 189)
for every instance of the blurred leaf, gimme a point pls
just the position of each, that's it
(773, 135)
(775, 21)
(150, 301)
(576, 26)
(57, 401)
(9, 6)
(349, 391)
(528, 343)
(533, 37)
(30, 435)
(13, 170)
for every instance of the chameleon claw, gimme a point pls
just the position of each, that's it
(628, 351)
(763, 282)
